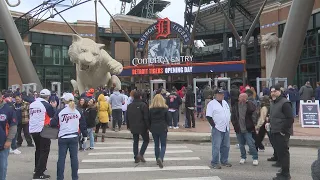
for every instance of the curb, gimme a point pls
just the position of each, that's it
(301, 141)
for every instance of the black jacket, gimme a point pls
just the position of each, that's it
(159, 120)
(90, 115)
(249, 121)
(190, 99)
(138, 117)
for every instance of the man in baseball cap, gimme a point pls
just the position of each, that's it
(41, 111)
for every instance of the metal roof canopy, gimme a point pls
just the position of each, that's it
(211, 18)
(159, 6)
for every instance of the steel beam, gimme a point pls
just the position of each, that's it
(292, 40)
(18, 51)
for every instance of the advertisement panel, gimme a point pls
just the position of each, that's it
(165, 50)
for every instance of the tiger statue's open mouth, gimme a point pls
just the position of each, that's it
(84, 67)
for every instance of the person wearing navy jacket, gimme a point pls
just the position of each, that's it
(8, 130)
(69, 120)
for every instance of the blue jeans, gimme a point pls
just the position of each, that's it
(160, 138)
(3, 163)
(91, 138)
(144, 146)
(246, 138)
(220, 145)
(64, 145)
(294, 108)
(174, 117)
(14, 142)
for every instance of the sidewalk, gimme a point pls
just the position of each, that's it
(309, 137)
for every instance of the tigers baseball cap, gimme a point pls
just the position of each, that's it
(45, 92)
(218, 91)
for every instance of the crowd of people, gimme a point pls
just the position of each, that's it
(38, 114)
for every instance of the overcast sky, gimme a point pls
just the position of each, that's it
(174, 12)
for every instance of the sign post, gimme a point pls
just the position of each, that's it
(309, 114)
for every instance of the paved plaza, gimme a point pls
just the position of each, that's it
(113, 160)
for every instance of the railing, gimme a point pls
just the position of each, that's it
(130, 30)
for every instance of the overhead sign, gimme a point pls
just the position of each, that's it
(309, 114)
(163, 28)
(161, 60)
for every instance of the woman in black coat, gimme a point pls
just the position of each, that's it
(90, 115)
(158, 115)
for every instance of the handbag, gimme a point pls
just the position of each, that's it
(49, 132)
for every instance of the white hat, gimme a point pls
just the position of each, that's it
(45, 92)
(68, 97)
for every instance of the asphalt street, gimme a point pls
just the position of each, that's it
(113, 160)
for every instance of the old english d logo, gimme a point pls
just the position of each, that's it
(163, 28)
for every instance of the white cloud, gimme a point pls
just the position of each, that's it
(174, 12)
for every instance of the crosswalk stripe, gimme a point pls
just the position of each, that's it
(148, 152)
(147, 159)
(130, 147)
(194, 178)
(114, 143)
(141, 169)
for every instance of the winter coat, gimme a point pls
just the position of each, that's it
(293, 95)
(159, 119)
(90, 116)
(306, 93)
(190, 99)
(138, 117)
(174, 101)
(317, 94)
(104, 109)
(249, 121)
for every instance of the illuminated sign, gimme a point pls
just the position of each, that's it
(161, 60)
(147, 71)
(177, 70)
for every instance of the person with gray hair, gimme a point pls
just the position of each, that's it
(116, 100)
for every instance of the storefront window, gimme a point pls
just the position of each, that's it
(317, 20)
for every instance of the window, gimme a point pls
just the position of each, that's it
(281, 29)
(317, 20)
(65, 56)
(3, 52)
(36, 51)
(312, 43)
(56, 55)
(47, 56)
(310, 25)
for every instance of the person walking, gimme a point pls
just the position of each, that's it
(281, 120)
(241, 118)
(124, 107)
(22, 111)
(260, 127)
(69, 120)
(7, 120)
(40, 113)
(90, 117)
(160, 120)
(218, 114)
(138, 123)
(81, 107)
(116, 101)
(190, 107)
(104, 113)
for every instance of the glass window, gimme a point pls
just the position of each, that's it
(65, 56)
(47, 59)
(3, 52)
(312, 43)
(281, 29)
(56, 52)
(310, 25)
(317, 20)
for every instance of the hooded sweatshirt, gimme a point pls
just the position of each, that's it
(116, 100)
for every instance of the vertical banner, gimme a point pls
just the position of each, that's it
(309, 114)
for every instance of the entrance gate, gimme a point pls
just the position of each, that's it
(259, 80)
(28, 87)
(15, 87)
(195, 81)
(284, 80)
(56, 86)
(223, 79)
(156, 81)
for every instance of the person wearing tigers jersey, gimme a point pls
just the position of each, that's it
(69, 120)
(40, 112)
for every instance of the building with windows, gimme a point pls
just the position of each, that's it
(273, 19)
(47, 44)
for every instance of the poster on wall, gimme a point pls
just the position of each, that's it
(168, 49)
(309, 114)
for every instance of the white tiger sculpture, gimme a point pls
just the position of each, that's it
(270, 43)
(94, 65)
